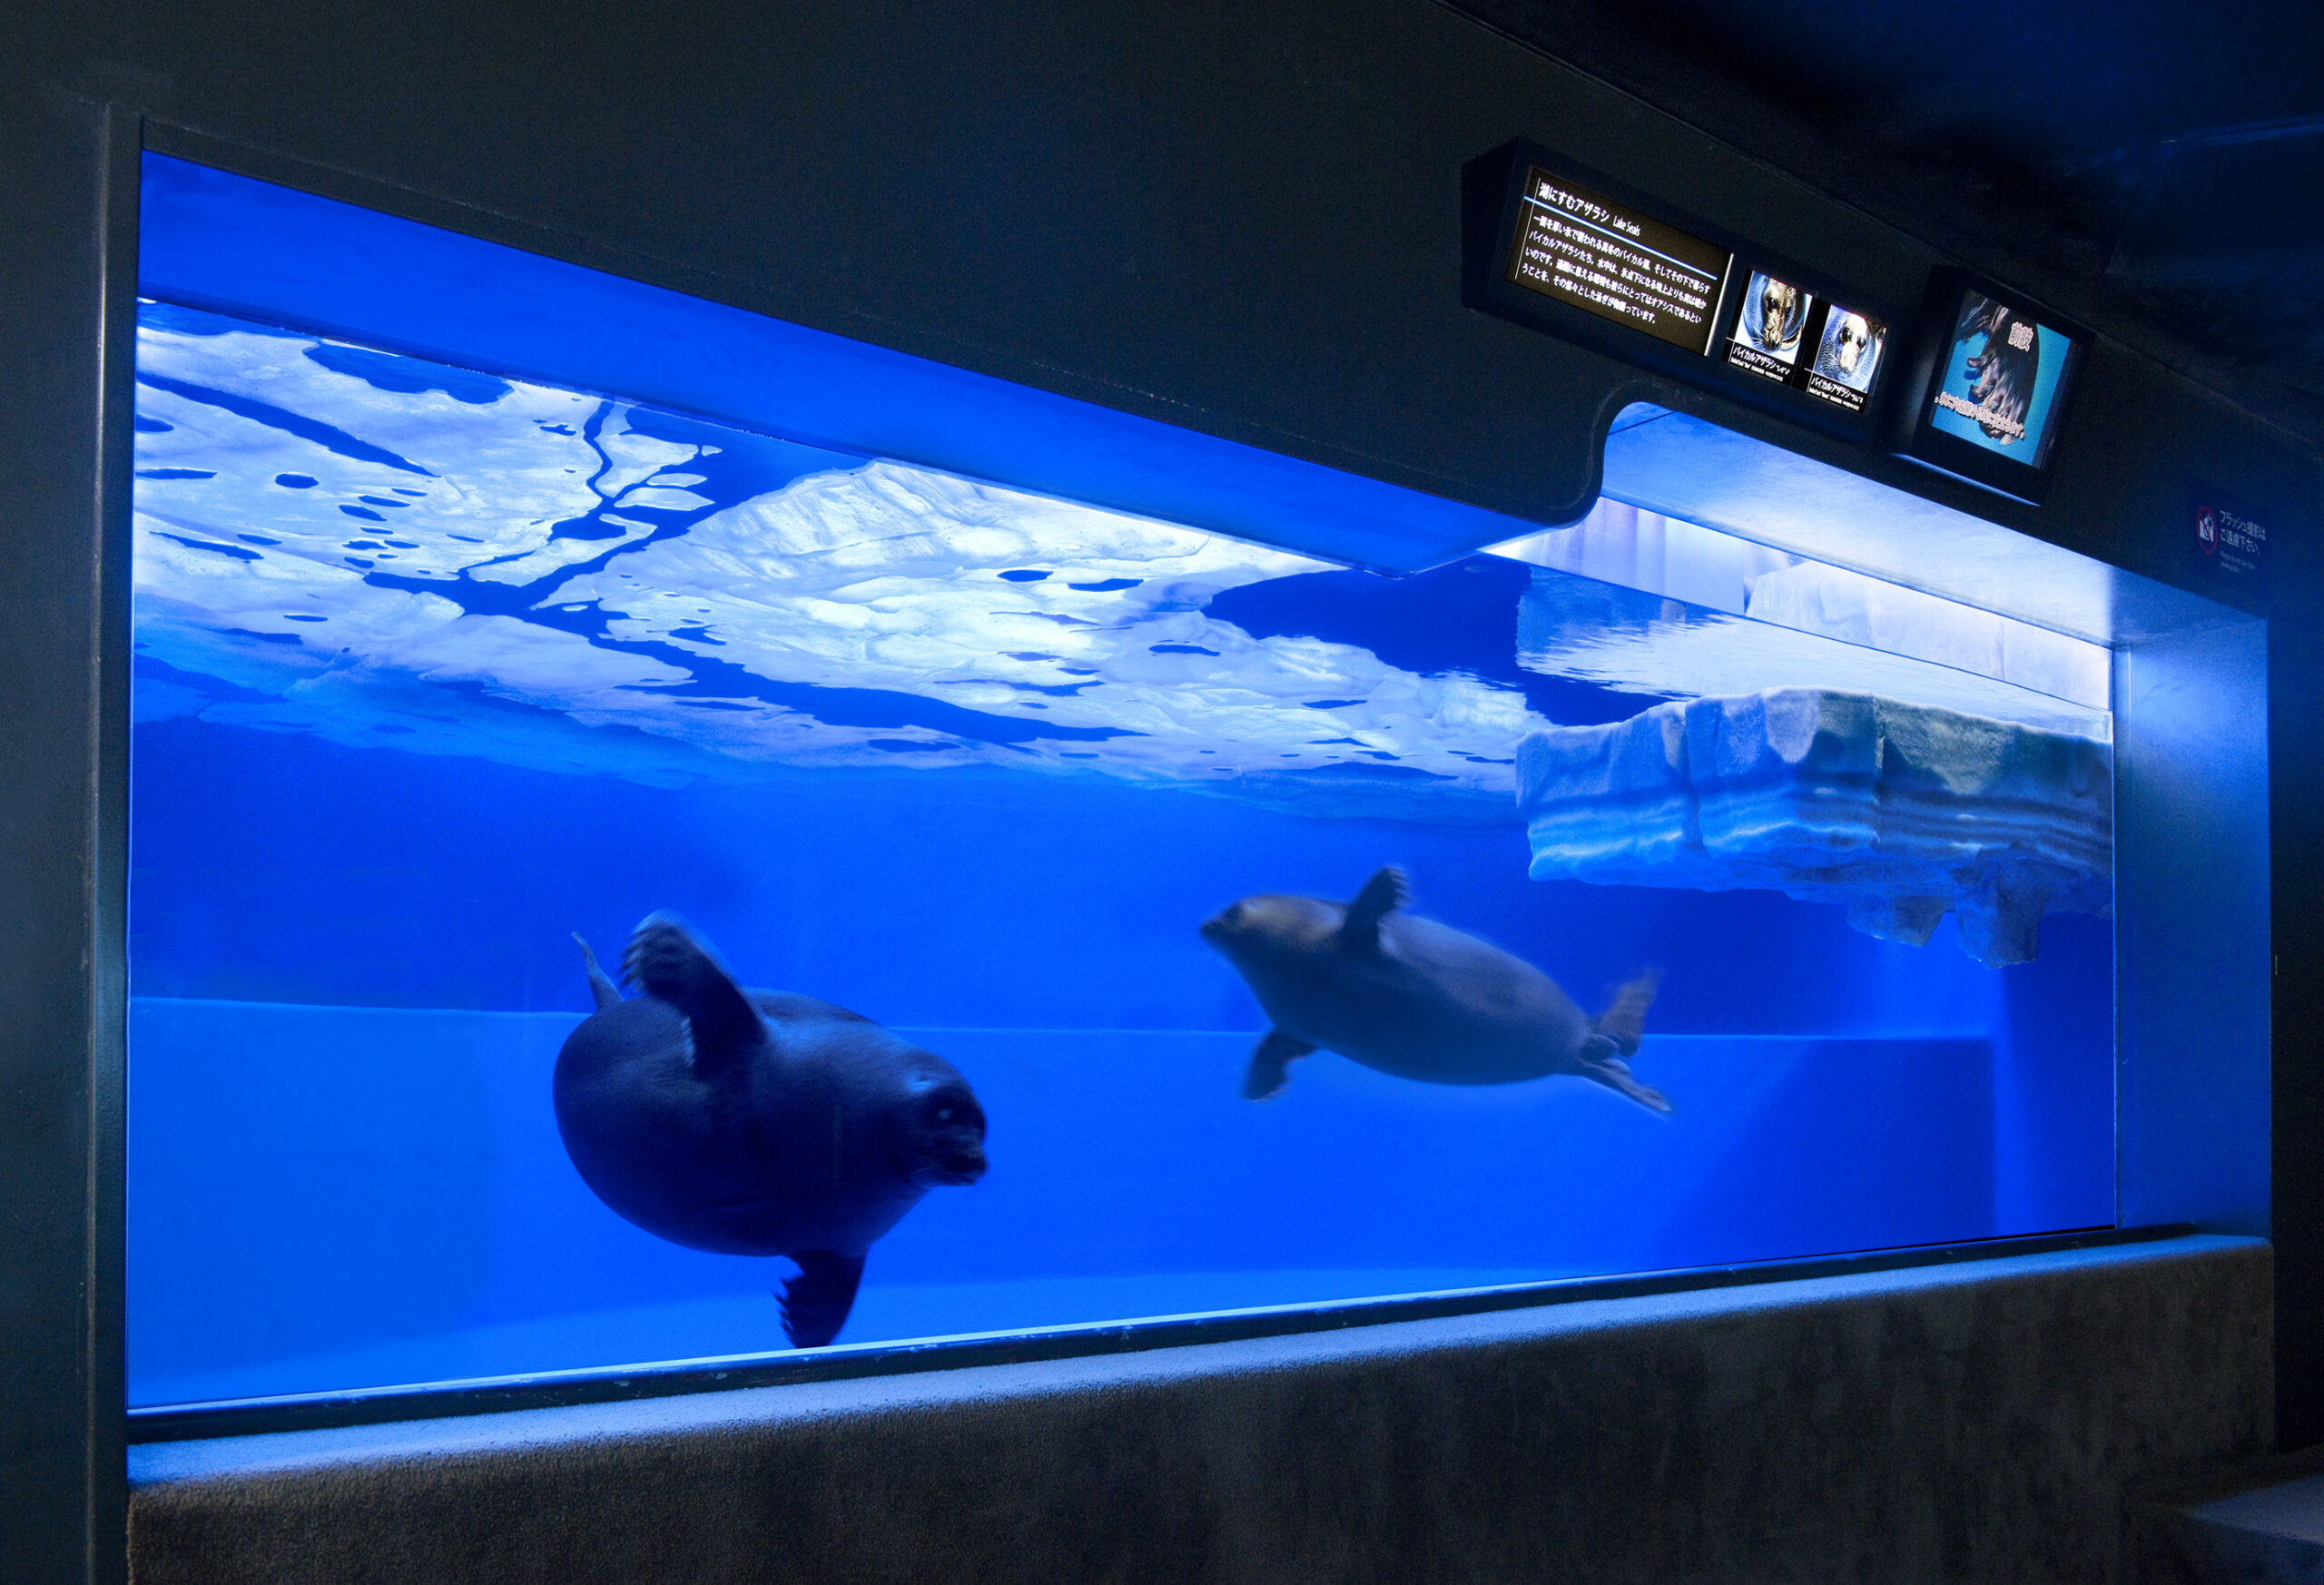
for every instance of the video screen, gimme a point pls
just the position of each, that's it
(2000, 379)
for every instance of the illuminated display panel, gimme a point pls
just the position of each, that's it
(1603, 257)
(2001, 379)
(1708, 307)
(1786, 334)
(1998, 375)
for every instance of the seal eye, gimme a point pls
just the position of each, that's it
(944, 1114)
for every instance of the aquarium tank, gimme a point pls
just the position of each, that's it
(614, 886)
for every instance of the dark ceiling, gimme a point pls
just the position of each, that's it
(2155, 171)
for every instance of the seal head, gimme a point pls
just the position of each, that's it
(756, 1122)
(1416, 999)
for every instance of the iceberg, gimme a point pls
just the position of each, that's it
(1900, 812)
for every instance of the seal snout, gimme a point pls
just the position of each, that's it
(957, 1167)
(952, 1149)
(953, 1161)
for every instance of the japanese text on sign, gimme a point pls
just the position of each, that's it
(1587, 250)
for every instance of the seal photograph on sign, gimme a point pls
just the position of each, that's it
(1849, 352)
(1774, 314)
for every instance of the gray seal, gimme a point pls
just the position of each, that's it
(756, 1122)
(1413, 998)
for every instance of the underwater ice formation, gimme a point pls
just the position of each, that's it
(1901, 812)
(1622, 639)
(1678, 560)
(1640, 603)
(384, 551)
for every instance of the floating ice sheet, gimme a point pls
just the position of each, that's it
(1901, 812)
(382, 550)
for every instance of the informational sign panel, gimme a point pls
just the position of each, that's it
(1606, 259)
(1576, 253)
(2232, 546)
(1786, 334)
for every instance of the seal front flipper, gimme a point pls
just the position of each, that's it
(1382, 895)
(1599, 1060)
(1268, 1076)
(601, 989)
(669, 963)
(815, 1302)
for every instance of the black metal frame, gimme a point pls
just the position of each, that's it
(69, 297)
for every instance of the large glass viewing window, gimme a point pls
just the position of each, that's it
(1237, 926)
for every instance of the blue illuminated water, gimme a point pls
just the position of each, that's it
(437, 667)
(353, 975)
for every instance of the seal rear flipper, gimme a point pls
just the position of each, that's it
(815, 1302)
(667, 962)
(601, 989)
(1600, 1062)
(1382, 895)
(1624, 1021)
(1269, 1071)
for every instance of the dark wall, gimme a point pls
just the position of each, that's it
(1244, 220)
(2296, 854)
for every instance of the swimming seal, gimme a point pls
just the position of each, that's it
(756, 1122)
(1416, 998)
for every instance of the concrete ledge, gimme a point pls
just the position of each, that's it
(1972, 1422)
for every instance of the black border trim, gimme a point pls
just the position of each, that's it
(560, 1389)
(68, 165)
